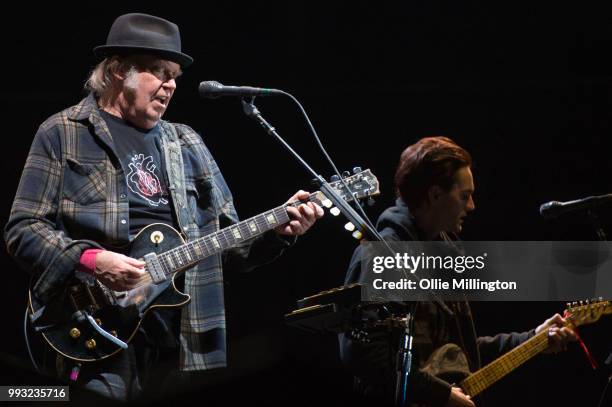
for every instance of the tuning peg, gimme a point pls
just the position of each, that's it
(357, 235)
(327, 203)
(356, 170)
(345, 174)
(334, 211)
(334, 178)
(349, 226)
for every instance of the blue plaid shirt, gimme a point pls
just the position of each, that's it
(72, 196)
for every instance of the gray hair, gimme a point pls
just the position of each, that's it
(101, 77)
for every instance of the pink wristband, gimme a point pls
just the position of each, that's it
(87, 263)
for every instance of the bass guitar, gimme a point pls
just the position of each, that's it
(577, 314)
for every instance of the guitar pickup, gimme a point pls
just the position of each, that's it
(154, 268)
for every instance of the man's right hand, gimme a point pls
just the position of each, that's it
(457, 398)
(118, 272)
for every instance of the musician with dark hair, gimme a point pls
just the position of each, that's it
(435, 188)
(99, 172)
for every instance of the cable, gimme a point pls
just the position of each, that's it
(27, 341)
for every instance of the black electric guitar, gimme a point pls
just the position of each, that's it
(89, 322)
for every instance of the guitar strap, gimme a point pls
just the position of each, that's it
(175, 173)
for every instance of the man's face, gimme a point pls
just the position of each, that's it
(454, 205)
(148, 89)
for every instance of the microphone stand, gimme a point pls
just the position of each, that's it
(604, 394)
(404, 363)
(405, 350)
(361, 225)
(601, 236)
(599, 230)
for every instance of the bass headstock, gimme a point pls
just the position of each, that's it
(588, 312)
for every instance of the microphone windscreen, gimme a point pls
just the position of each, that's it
(210, 89)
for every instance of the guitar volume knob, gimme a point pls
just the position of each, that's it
(75, 333)
(90, 344)
(157, 237)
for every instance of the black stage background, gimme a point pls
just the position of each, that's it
(526, 89)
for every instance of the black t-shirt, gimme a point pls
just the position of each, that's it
(140, 156)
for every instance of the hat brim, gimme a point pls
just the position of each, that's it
(183, 60)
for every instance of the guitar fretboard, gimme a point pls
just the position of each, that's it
(500, 367)
(191, 253)
(362, 184)
(194, 251)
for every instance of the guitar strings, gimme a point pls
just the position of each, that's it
(497, 369)
(225, 236)
(260, 222)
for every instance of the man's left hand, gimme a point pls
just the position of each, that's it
(558, 334)
(302, 217)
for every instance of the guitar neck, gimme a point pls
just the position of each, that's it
(362, 184)
(193, 252)
(500, 367)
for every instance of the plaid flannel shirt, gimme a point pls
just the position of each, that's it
(72, 196)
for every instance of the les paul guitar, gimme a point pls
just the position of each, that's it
(578, 314)
(89, 322)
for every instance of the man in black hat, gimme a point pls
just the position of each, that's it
(100, 171)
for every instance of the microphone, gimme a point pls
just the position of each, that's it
(213, 90)
(554, 209)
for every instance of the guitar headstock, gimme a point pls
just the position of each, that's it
(362, 184)
(588, 312)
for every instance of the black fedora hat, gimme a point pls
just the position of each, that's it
(137, 33)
